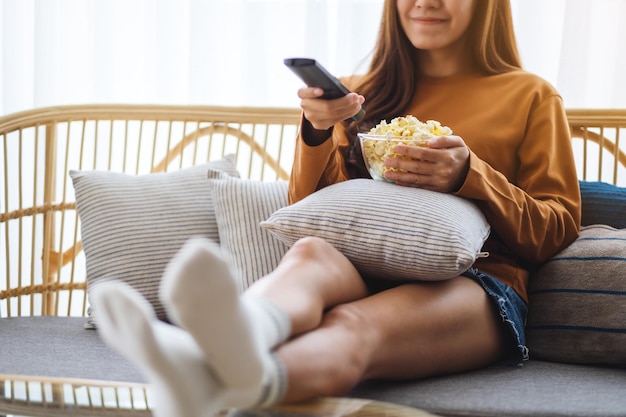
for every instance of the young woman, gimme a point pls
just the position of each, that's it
(314, 326)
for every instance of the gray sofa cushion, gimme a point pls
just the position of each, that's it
(538, 389)
(60, 347)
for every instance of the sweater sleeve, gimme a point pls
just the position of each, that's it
(538, 213)
(318, 166)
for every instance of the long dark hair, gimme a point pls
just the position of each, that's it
(390, 82)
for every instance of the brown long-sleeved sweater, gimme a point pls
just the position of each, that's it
(522, 173)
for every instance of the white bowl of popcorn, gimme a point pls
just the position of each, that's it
(378, 144)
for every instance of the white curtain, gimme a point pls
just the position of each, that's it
(230, 52)
(577, 45)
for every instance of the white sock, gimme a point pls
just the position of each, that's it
(236, 333)
(183, 383)
(270, 322)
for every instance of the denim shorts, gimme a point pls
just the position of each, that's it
(513, 311)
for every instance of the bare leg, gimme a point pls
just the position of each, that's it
(411, 331)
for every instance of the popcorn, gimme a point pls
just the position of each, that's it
(410, 126)
(377, 145)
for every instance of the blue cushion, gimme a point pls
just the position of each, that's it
(603, 203)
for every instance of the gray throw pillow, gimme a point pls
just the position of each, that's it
(389, 231)
(240, 206)
(132, 225)
(577, 301)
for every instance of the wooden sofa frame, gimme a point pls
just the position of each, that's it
(42, 263)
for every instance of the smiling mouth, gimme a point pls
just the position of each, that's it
(427, 20)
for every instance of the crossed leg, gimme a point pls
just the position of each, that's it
(337, 334)
(343, 335)
(408, 332)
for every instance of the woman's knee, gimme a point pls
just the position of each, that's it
(309, 249)
(324, 254)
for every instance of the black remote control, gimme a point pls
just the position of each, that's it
(314, 75)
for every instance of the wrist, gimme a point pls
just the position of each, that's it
(312, 136)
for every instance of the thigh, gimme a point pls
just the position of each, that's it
(424, 329)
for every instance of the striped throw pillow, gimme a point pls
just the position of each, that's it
(388, 231)
(577, 301)
(132, 225)
(240, 206)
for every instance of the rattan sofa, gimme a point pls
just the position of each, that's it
(51, 365)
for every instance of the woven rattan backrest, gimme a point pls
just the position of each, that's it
(42, 266)
(599, 142)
